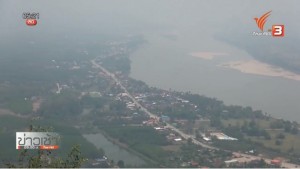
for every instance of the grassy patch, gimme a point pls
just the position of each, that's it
(20, 106)
(262, 123)
(137, 135)
(290, 141)
(289, 144)
(144, 140)
(11, 124)
(151, 151)
(172, 148)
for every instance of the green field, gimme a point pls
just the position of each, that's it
(262, 123)
(20, 106)
(144, 140)
(290, 144)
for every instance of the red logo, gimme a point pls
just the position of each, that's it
(278, 30)
(262, 20)
(31, 22)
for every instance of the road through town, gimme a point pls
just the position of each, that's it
(182, 134)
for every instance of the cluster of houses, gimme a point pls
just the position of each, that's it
(155, 123)
(158, 122)
(239, 160)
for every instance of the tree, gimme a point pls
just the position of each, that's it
(44, 159)
(294, 130)
(291, 149)
(121, 164)
(189, 141)
(280, 136)
(252, 124)
(112, 163)
(215, 122)
(198, 136)
(64, 105)
(267, 136)
(277, 124)
(278, 142)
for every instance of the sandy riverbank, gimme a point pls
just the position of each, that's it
(207, 55)
(4, 112)
(259, 68)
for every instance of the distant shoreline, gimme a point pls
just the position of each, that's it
(259, 68)
(250, 66)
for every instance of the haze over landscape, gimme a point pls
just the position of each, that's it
(199, 47)
(197, 28)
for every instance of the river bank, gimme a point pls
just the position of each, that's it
(169, 65)
(259, 68)
(136, 159)
(126, 147)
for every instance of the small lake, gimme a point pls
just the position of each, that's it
(113, 151)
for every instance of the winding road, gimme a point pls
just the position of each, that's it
(182, 134)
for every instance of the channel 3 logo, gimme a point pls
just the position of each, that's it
(31, 18)
(276, 31)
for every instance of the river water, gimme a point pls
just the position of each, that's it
(166, 63)
(113, 151)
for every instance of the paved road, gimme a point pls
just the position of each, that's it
(182, 134)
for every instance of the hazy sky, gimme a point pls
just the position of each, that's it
(204, 18)
(198, 23)
(127, 15)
